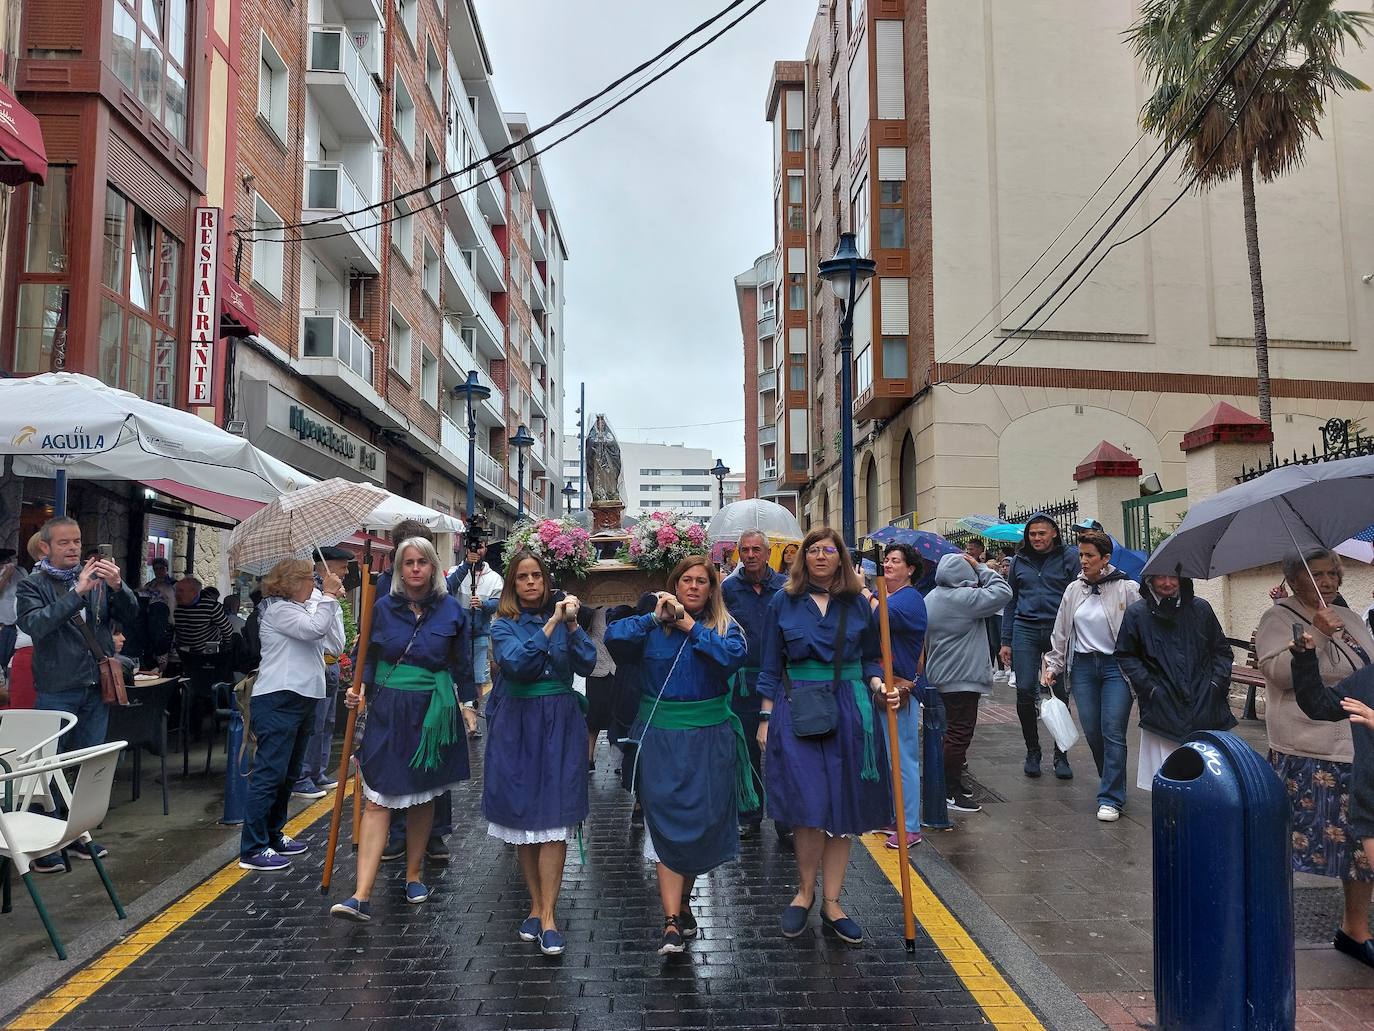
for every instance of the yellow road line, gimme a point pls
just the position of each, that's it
(75, 990)
(999, 1001)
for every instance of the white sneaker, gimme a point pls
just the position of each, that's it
(1011, 679)
(1108, 813)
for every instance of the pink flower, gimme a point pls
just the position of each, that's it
(548, 530)
(562, 545)
(636, 549)
(695, 534)
(666, 537)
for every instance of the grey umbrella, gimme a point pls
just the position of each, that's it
(1295, 508)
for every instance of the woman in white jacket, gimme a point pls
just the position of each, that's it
(1083, 644)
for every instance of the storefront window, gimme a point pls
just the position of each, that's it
(40, 327)
(155, 31)
(49, 224)
(139, 303)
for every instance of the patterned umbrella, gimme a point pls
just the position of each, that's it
(296, 524)
(976, 524)
(1360, 547)
(930, 546)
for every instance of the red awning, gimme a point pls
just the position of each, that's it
(238, 318)
(21, 140)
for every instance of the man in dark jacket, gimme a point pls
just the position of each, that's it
(1040, 572)
(1173, 651)
(52, 600)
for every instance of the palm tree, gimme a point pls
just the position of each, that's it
(1276, 95)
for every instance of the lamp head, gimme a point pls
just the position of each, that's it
(720, 470)
(846, 265)
(472, 387)
(522, 438)
(569, 490)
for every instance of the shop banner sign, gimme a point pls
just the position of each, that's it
(204, 305)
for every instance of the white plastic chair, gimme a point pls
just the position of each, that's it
(33, 734)
(26, 836)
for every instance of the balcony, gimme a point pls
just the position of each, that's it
(454, 444)
(336, 354)
(454, 440)
(460, 291)
(767, 325)
(768, 381)
(492, 410)
(351, 240)
(539, 347)
(768, 434)
(341, 84)
(491, 195)
(539, 243)
(457, 352)
(538, 292)
(538, 456)
(539, 404)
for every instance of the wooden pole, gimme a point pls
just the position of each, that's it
(894, 753)
(364, 633)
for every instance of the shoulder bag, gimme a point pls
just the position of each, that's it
(815, 711)
(108, 668)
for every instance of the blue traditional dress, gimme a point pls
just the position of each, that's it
(534, 777)
(419, 668)
(692, 766)
(749, 607)
(839, 783)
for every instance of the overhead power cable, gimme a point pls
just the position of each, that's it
(1187, 187)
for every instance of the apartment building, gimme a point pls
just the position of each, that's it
(936, 131)
(662, 477)
(755, 296)
(382, 272)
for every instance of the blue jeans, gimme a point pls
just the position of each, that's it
(281, 723)
(1029, 642)
(9, 634)
(92, 715)
(909, 749)
(1104, 707)
(933, 800)
(481, 659)
(315, 768)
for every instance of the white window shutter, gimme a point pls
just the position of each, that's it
(858, 97)
(796, 340)
(891, 88)
(863, 321)
(891, 163)
(796, 119)
(796, 260)
(796, 431)
(896, 320)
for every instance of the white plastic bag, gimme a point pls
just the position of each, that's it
(1059, 722)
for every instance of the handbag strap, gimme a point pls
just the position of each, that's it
(406, 650)
(88, 635)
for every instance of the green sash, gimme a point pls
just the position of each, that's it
(863, 701)
(543, 689)
(440, 727)
(739, 683)
(709, 712)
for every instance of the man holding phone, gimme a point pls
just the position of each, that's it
(52, 603)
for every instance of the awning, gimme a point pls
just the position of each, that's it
(21, 140)
(238, 318)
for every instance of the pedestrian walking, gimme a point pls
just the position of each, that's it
(479, 586)
(67, 608)
(419, 671)
(1314, 758)
(825, 767)
(902, 567)
(315, 779)
(1175, 657)
(534, 777)
(747, 593)
(965, 595)
(1083, 649)
(693, 775)
(297, 624)
(1040, 571)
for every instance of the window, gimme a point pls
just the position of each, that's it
(796, 373)
(894, 357)
(49, 224)
(403, 232)
(403, 115)
(148, 54)
(431, 272)
(796, 292)
(44, 295)
(794, 140)
(434, 73)
(863, 370)
(796, 195)
(273, 89)
(891, 215)
(408, 14)
(139, 302)
(858, 218)
(400, 346)
(429, 378)
(268, 245)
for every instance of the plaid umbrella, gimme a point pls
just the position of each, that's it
(296, 524)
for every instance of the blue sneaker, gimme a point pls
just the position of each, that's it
(416, 892)
(352, 909)
(551, 942)
(83, 850)
(291, 847)
(326, 783)
(530, 929)
(48, 864)
(265, 860)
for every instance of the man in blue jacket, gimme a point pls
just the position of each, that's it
(1040, 572)
(747, 591)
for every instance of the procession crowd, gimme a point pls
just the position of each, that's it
(730, 698)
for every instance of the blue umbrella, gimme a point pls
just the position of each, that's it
(1011, 533)
(930, 546)
(1132, 563)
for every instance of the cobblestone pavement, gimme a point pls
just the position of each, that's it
(257, 951)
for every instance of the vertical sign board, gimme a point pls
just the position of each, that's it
(204, 306)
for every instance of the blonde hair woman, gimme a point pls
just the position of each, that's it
(296, 624)
(418, 659)
(693, 775)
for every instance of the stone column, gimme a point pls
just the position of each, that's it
(1106, 477)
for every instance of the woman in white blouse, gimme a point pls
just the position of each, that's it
(297, 625)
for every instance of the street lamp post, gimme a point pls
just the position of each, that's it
(569, 492)
(720, 470)
(845, 272)
(472, 389)
(520, 442)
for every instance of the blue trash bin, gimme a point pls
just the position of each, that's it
(1223, 898)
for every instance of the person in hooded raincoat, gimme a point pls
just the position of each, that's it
(693, 773)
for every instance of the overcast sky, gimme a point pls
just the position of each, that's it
(663, 202)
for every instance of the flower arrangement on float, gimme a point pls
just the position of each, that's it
(565, 547)
(661, 540)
